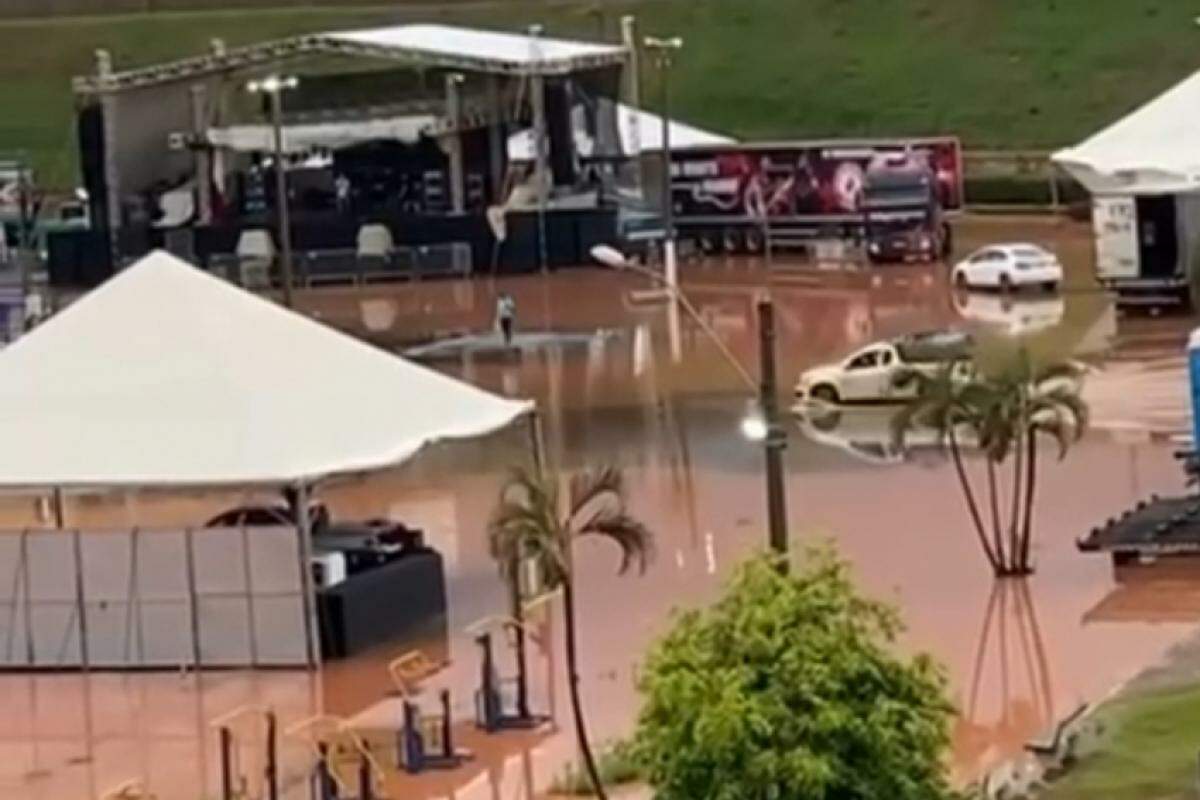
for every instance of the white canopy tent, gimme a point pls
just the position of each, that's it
(1153, 150)
(167, 376)
(640, 132)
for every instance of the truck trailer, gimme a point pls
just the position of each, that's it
(1146, 246)
(892, 197)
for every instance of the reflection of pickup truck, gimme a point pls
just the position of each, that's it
(869, 374)
(864, 433)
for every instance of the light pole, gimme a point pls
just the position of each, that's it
(663, 49)
(764, 427)
(273, 86)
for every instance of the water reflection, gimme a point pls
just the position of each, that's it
(654, 396)
(1009, 315)
(1010, 661)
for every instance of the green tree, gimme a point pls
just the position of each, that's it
(1004, 413)
(787, 688)
(531, 523)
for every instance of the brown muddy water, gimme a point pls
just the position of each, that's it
(624, 381)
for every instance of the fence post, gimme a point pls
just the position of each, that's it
(325, 786)
(272, 757)
(226, 738)
(365, 790)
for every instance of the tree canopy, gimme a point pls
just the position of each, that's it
(788, 688)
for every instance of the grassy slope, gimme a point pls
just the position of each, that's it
(1152, 755)
(1017, 73)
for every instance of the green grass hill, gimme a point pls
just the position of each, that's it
(1004, 74)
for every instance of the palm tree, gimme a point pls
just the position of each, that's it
(1005, 413)
(531, 524)
(950, 407)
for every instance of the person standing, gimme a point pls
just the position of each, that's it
(506, 314)
(341, 187)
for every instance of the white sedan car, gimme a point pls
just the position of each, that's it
(1008, 266)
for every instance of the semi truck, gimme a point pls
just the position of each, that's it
(891, 197)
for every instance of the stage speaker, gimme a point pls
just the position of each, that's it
(558, 130)
(91, 161)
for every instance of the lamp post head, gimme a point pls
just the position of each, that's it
(272, 84)
(754, 427)
(674, 43)
(610, 257)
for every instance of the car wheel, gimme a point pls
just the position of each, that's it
(826, 394)
(1050, 286)
(754, 242)
(827, 420)
(1005, 283)
(960, 280)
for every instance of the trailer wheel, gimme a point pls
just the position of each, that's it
(754, 242)
(947, 240)
(732, 240)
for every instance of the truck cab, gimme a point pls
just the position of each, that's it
(902, 215)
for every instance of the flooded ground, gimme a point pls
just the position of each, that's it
(625, 380)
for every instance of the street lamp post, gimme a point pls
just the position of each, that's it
(775, 439)
(664, 48)
(274, 86)
(766, 426)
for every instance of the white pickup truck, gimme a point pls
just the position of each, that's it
(869, 374)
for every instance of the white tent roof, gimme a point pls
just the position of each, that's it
(641, 132)
(507, 51)
(1154, 150)
(166, 375)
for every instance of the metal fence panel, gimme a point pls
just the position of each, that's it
(162, 565)
(50, 561)
(220, 561)
(211, 597)
(107, 565)
(274, 561)
(166, 637)
(279, 630)
(224, 624)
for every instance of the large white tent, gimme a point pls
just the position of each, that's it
(1153, 150)
(167, 376)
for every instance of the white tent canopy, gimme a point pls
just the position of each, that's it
(1154, 150)
(168, 376)
(640, 131)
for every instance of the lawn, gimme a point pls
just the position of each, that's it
(1011, 74)
(1151, 754)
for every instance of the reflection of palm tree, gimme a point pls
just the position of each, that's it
(1007, 648)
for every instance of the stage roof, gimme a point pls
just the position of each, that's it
(436, 46)
(167, 376)
(492, 51)
(1153, 150)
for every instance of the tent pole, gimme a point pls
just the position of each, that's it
(56, 508)
(537, 444)
(81, 605)
(304, 532)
